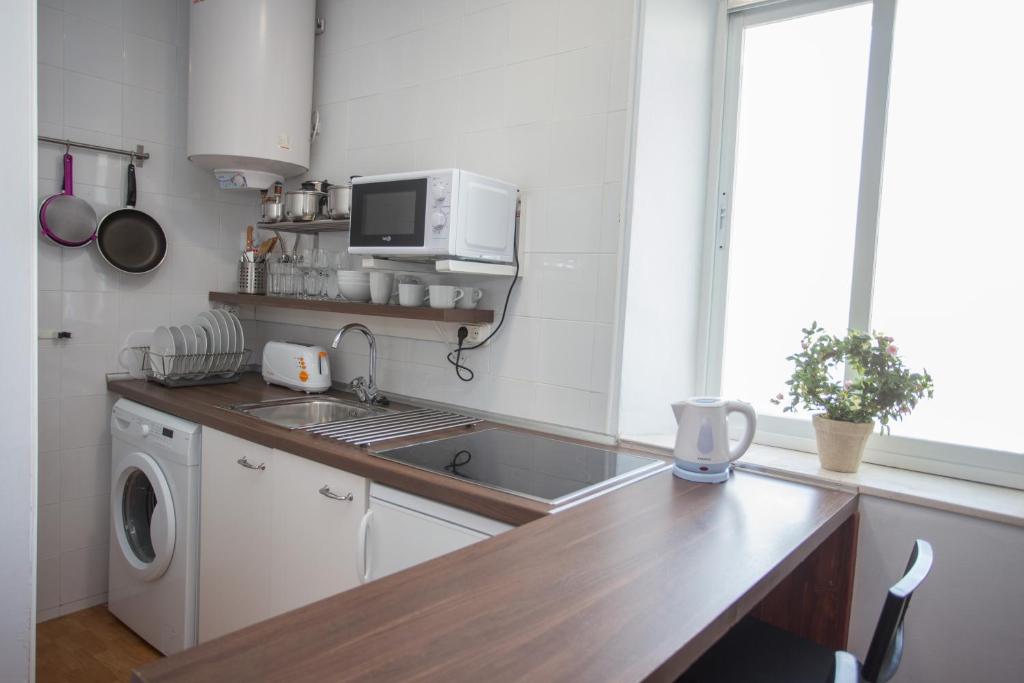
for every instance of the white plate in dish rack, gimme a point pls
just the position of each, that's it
(204, 361)
(239, 332)
(227, 330)
(215, 343)
(191, 347)
(163, 348)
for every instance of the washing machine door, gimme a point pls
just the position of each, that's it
(143, 516)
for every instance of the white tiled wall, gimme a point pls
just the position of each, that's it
(533, 91)
(112, 73)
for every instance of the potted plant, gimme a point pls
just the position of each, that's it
(853, 381)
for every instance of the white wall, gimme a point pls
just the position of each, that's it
(114, 75)
(17, 344)
(533, 91)
(667, 224)
(964, 623)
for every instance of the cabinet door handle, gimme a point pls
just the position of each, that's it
(326, 491)
(362, 560)
(244, 462)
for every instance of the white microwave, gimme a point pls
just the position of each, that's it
(448, 213)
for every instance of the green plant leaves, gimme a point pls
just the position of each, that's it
(856, 378)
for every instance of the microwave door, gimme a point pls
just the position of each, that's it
(389, 214)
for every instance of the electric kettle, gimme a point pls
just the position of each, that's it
(702, 441)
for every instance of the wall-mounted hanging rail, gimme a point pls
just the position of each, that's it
(139, 154)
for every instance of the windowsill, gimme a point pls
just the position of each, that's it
(984, 501)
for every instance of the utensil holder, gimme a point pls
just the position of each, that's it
(252, 277)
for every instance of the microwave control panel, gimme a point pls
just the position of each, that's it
(439, 205)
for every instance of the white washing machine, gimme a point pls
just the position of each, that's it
(154, 535)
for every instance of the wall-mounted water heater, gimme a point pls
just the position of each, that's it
(250, 89)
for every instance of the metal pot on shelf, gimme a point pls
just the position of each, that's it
(273, 209)
(316, 185)
(302, 205)
(339, 201)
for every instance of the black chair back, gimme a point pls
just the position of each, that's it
(886, 648)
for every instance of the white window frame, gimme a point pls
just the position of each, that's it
(1004, 468)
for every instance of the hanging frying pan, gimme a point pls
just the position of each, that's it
(131, 240)
(65, 219)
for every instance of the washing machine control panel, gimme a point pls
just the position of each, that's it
(146, 429)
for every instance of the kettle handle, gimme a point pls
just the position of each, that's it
(747, 411)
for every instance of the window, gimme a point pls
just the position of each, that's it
(872, 161)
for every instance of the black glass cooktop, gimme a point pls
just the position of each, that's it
(528, 465)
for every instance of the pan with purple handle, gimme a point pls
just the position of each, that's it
(65, 219)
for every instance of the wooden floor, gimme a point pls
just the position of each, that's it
(89, 646)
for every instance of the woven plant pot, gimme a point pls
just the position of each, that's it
(841, 444)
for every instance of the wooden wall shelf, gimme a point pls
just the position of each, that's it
(444, 315)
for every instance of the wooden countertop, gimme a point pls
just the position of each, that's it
(633, 585)
(206, 405)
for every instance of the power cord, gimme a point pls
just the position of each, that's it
(455, 357)
(464, 373)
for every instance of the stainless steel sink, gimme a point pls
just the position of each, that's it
(306, 411)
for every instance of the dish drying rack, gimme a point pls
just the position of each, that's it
(191, 369)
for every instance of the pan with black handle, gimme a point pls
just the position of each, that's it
(131, 240)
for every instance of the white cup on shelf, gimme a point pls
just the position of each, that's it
(471, 299)
(412, 294)
(444, 296)
(381, 286)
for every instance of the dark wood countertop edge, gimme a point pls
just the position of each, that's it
(691, 652)
(201, 408)
(497, 505)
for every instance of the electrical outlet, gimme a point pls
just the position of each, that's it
(477, 333)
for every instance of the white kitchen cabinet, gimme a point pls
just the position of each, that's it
(402, 530)
(317, 510)
(235, 543)
(270, 541)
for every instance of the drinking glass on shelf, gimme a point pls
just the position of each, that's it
(275, 270)
(311, 284)
(339, 262)
(321, 262)
(303, 265)
(287, 276)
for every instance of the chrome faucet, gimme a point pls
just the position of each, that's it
(364, 388)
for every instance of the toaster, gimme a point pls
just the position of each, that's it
(302, 367)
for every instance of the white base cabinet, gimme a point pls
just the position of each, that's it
(401, 530)
(234, 534)
(317, 510)
(276, 532)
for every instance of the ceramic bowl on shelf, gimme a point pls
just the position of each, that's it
(355, 292)
(353, 276)
(354, 286)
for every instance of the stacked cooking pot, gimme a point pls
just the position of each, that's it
(317, 200)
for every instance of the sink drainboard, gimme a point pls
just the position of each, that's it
(363, 431)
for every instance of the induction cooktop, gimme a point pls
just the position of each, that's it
(527, 465)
